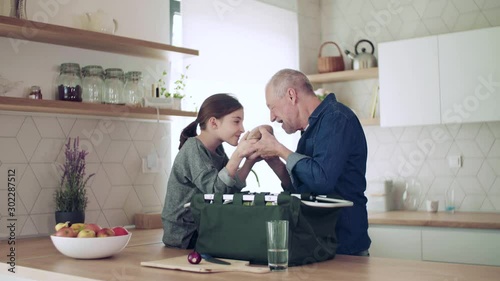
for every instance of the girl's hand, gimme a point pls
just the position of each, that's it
(246, 147)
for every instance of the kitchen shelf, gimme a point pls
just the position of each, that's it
(80, 108)
(66, 36)
(343, 76)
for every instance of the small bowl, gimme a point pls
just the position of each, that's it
(90, 248)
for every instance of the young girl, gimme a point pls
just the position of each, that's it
(202, 166)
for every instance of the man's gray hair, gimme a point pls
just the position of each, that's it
(289, 78)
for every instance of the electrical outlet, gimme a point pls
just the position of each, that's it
(455, 161)
(150, 169)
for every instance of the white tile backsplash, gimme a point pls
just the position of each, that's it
(117, 174)
(468, 148)
(115, 217)
(147, 195)
(66, 124)
(101, 186)
(48, 175)
(495, 149)
(486, 175)
(28, 189)
(117, 197)
(10, 151)
(49, 127)
(17, 169)
(47, 150)
(119, 131)
(464, 6)
(10, 125)
(45, 202)
(485, 139)
(116, 151)
(495, 187)
(29, 228)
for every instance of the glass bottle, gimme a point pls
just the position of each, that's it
(69, 82)
(134, 88)
(92, 83)
(113, 86)
(35, 93)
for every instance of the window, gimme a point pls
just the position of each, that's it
(242, 44)
(175, 23)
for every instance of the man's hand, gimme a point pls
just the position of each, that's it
(268, 146)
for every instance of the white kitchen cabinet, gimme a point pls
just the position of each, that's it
(409, 82)
(469, 71)
(476, 246)
(395, 242)
(441, 244)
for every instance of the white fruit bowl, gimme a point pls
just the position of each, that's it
(90, 248)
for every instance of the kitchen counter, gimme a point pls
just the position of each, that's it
(439, 219)
(146, 245)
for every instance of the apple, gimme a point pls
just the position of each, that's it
(77, 227)
(61, 225)
(92, 226)
(86, 233)
(65, 232)
(105, 232)
(119, 230)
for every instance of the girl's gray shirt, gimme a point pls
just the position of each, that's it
(195, 170)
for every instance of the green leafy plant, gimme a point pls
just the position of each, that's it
(71, 195)
(179, 85)
(161, 85)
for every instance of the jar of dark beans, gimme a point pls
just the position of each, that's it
(35, 93)
(69, 82)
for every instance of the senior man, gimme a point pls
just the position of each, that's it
(331, 153)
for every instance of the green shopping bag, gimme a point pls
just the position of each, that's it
(238, 231)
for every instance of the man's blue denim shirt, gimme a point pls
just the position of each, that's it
(331, 158)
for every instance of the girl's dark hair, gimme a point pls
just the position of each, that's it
(218, 106)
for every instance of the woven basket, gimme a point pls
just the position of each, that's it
(330, 64)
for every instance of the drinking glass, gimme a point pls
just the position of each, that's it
(277, 245)
(450, 200)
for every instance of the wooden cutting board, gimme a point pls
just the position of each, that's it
(181, 263)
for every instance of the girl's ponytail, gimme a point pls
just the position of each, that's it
(189, 131)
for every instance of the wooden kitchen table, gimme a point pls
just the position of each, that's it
(146, 245)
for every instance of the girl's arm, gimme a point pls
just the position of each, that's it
(245, 148)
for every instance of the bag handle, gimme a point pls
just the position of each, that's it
(259, 199)
(326, 43)
(238, 199)
(218, 198)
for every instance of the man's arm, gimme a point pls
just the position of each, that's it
(279, 169)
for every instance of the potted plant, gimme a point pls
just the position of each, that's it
(71, 196)
(178, 90)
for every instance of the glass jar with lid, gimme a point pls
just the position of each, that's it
(92, 83)
(113, 86)
(134, 88)
(69, 82)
